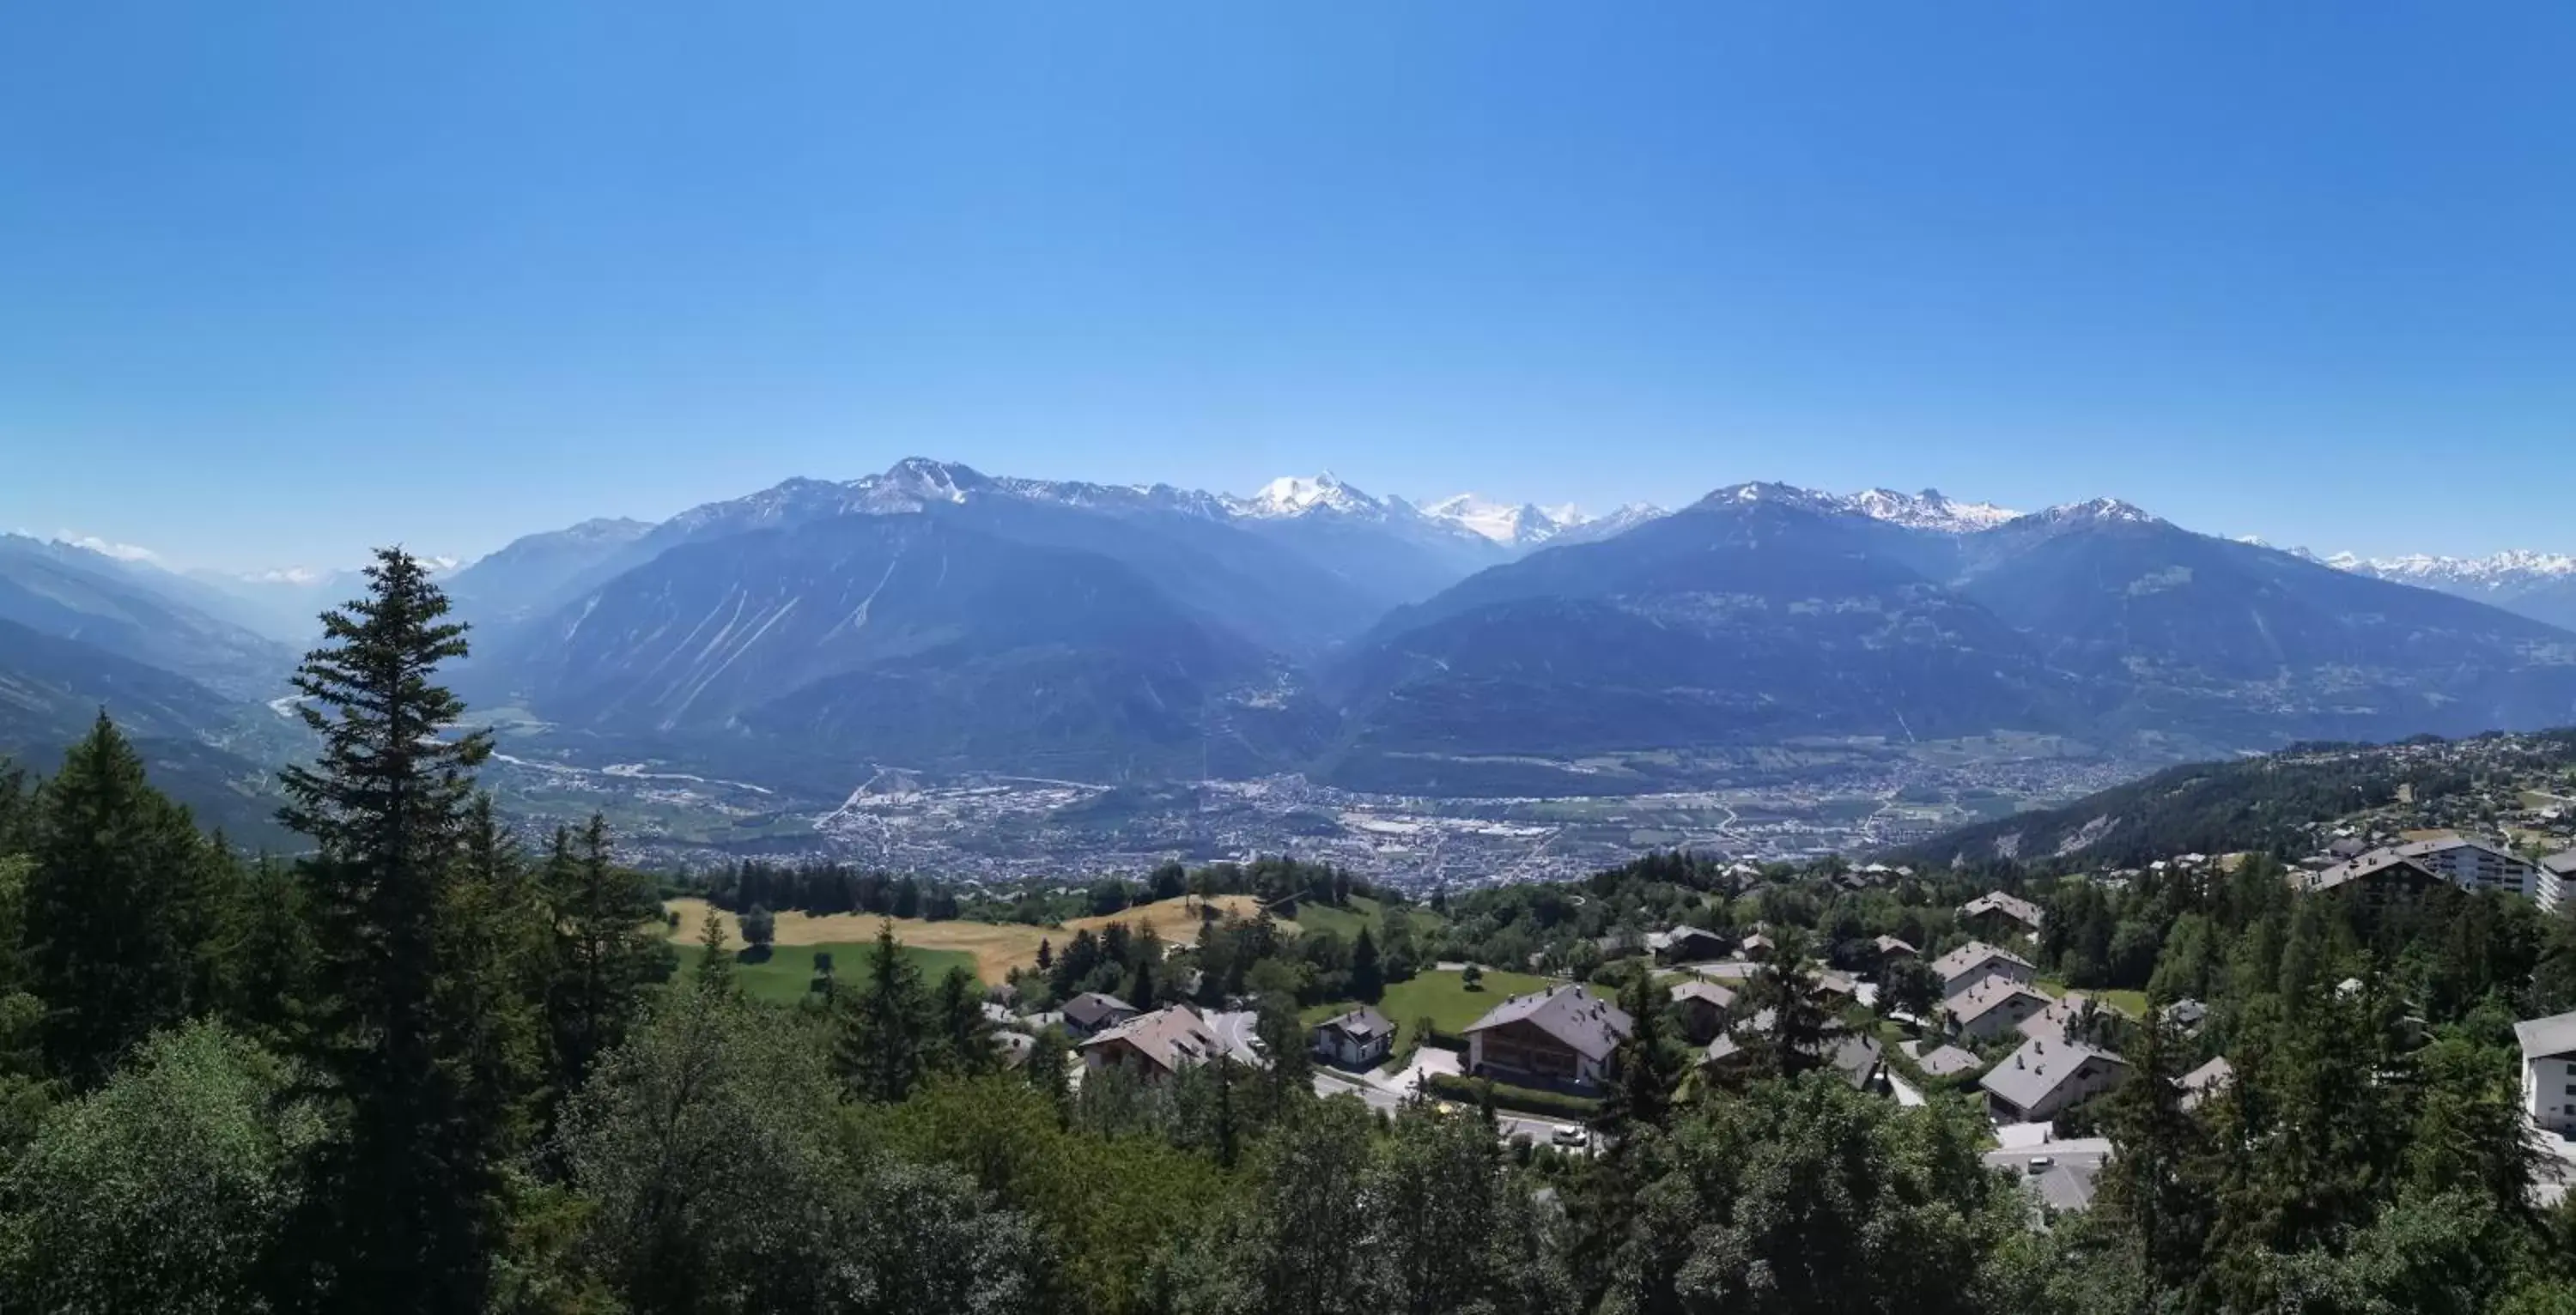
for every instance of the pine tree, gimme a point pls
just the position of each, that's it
(404, 1198)
(1368, 977)
(2151, 1186)
(1644, 1067)
(882, 1051)
(715, 958)
(116, 910)
(604, 955)
(965, 1035)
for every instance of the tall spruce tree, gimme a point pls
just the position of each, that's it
(884, 1045)
(605, 951)
(117, 907)
(403, 1216)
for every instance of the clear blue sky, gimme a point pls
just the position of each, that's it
(281, 280)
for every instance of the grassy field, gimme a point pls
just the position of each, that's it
(1363, 912)
(992, 949)
(2132, 1003)
(1442, 998)
(789, 971)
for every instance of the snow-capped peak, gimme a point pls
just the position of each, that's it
(2497, 569)
(2099, 511)
(1928, 510)
(1291, 495)
(1516, 527)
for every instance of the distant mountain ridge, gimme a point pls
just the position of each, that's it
(2536, 584)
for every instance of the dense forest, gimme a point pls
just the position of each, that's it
(437, 1067)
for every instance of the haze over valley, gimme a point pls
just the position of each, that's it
(942, 670)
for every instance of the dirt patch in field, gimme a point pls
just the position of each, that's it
(997, 947)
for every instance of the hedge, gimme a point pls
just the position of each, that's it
(1524, 1100)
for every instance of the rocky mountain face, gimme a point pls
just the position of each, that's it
(916, 639)
(533, 569)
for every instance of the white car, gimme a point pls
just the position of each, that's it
(1570, 1135)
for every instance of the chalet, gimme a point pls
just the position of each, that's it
(2549, 1072)
(1998, 914)
(1890, 949)
(2205, 1081)
(1361, 1038)
(2186, 1015)
(1946, 1061)
(1992, 1007)
(1091, 1012)
(2062, 1019)
(1758, 946)
(1970, 963)
(2044, 1077)
(1156, 1045)
(1836, 989)
(2373, 875)
(1704, 1008)
(1563, 1036)
(1686, 945)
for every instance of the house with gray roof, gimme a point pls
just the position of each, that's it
(2064, 1017)
(1360, 1039)
(1998, 914)
(1561, 1036)
(1861, 1060)
(1686, 944)
(1965, 966)
(2549, 1072)
(1993, 1007)
(1944, 1061)
(1092, 1012)
(2044, 1077)
(1704, 1007)
(2059, 1175)
(2205, 1081)
(1159, 1044)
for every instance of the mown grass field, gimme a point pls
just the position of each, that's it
(1363, 912)
(1444, 999)
(789, 971)
(991, 949)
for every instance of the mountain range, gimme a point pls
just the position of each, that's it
(938, 618)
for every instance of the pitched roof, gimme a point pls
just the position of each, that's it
(2061, 1013)
(2012, 906)
(2039, 1068)
(1988, 995)
(1092, 1008)
(1660, 941)
(2371, 864)
(1891, 945)
(1173, 1036)
(1968, 956)
(1949, 1061)
(2560, 864)
(1364, 1022)
(1703, 990)
(2203, 1082)
(1590, 1027)
(2544, 1037)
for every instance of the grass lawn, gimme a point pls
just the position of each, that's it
(1442, 998)
(2132, 1003)
(1346, 923)
(789, 970)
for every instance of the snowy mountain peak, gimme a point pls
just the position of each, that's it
(1290, 495)
(2504, 568)
(1515, 527)
(1927, 510)
(2100, 511)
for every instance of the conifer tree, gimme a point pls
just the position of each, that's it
(715, 958)
(116, 910)
(965, 1035)
(604, 955)
(1368, 976)
(1644, 1067)
(882, 1050)
(404, 1199)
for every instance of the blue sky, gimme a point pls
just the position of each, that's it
(2307, 271)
